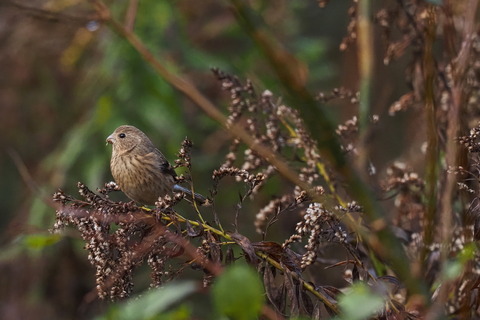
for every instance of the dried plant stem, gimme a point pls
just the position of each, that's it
(203, 225)
(260, 254)
(323, 131)
(452, 151)
(214, 268)
(306, 285)
(131, 14)
(365, 65)
(382, 241)
(283, 63)
(432, 138)
(322, 170)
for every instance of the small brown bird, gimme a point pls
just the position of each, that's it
(141, 171)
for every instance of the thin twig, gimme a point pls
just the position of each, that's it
(131, 15)
(432, 136)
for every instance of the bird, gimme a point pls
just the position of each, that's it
(140, 170)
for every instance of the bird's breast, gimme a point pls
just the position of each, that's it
(140, 177)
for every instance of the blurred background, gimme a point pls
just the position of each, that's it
(67, 81)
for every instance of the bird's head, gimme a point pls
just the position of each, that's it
(126, 138)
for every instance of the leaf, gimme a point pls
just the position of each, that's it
(452, 270)
(291, 290)
(238, 293)
(214, 251)
(153, 302)
(191, 231)
(360, 302)
(40, 241)
(276, 296)
(246, 246)
(306, 304)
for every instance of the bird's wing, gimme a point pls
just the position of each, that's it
(163, 163)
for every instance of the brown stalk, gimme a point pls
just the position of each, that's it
(452, 152)
(382, 241)
(131, 15)
(429, 72)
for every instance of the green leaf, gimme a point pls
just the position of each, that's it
(152, 303)
(452, 270)
(40, 241)
(238, 293)
(360, 303)
(467, 253)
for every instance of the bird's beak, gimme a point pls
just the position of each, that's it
(111, 139)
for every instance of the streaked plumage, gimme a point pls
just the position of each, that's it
(141, 171)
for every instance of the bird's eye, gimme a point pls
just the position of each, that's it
(122, 135)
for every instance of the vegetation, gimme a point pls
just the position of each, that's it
(340, 186)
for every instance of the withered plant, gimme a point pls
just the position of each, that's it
(399, 231)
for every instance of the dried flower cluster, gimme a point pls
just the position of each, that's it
(278, 127)
(119, 237)
(410, 27)
(269, 213)
(283, 130)
(351, 36)
(470, 141)
(319, 225)
(183, 157)
(323, 217)
(108, 250)
(339, 93)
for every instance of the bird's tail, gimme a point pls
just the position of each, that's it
(201, 200)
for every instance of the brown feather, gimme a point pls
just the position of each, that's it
(141, 171)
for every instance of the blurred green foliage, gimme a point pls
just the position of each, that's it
(112, 85)
(58, 110)
(360, 303)
(238, 293)
(154, 304)
(69, 80)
